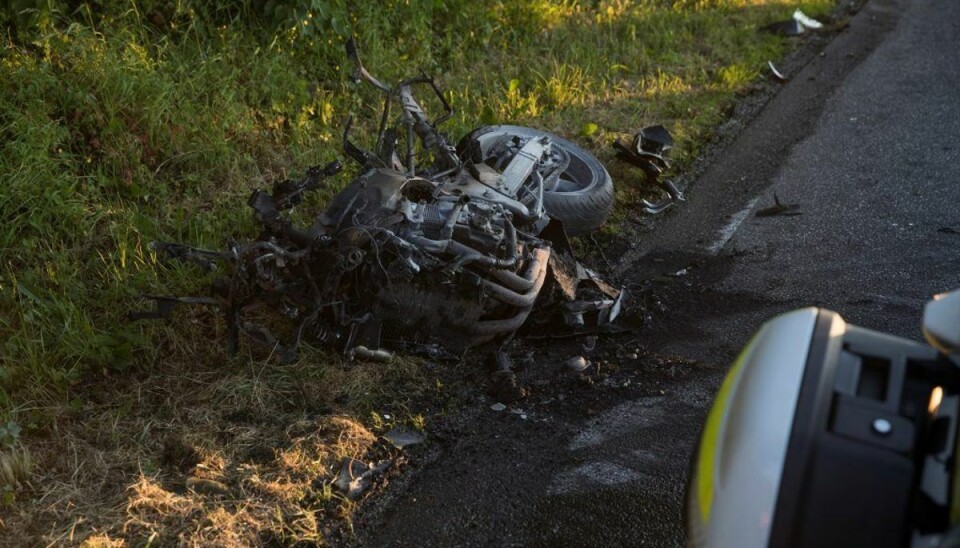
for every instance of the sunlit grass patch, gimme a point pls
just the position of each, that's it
(235, 453)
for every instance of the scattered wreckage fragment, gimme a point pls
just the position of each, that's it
(776, 73)
(433, 249)
(779, 208)
(356, 477)
(798, 24)
(648, 152)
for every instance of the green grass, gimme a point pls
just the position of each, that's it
(125, 122)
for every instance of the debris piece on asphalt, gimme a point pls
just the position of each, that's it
(776, 73)
(590, 343)
(356, 476)
(520, 413)
(654, 208)
(779, 208)
(401, 437)
(498, 407)
(681, 272)
(578, 363)
(207, 487)
(579, 298)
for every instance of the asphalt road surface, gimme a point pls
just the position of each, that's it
(865, 139)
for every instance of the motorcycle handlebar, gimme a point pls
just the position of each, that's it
(360, 73)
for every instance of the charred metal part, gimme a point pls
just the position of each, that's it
(365, 158)
(779, 208)
(648, 152)
(289, 193)
(203, 257)
(537, 274)
(164, 306)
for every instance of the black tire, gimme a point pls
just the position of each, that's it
(584, 197)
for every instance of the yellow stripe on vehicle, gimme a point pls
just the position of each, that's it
(706, 463)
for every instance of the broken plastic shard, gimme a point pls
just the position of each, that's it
(655, 139)
(356, 476)
(498, 407)
(614, 311)
(401, 437)
(806, 20)
(776, 73)
(578, 363)
(797, 24)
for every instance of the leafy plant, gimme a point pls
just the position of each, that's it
(9, 434)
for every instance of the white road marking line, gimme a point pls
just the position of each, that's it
(730, 229)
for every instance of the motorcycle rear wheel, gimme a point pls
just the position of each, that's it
(583, 197)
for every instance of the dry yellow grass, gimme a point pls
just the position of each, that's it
(233, 456)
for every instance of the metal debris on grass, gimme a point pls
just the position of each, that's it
(798, 23)
(807, 21)
(648, 152)
(356, 476)
(401, 437)
(432, 248)
(776, 73)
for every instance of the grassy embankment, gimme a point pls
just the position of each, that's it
(125, 122)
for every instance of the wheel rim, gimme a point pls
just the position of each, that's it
(499, 146)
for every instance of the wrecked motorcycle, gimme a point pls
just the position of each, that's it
(433, 248)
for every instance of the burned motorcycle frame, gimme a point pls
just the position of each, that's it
(434, 258)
